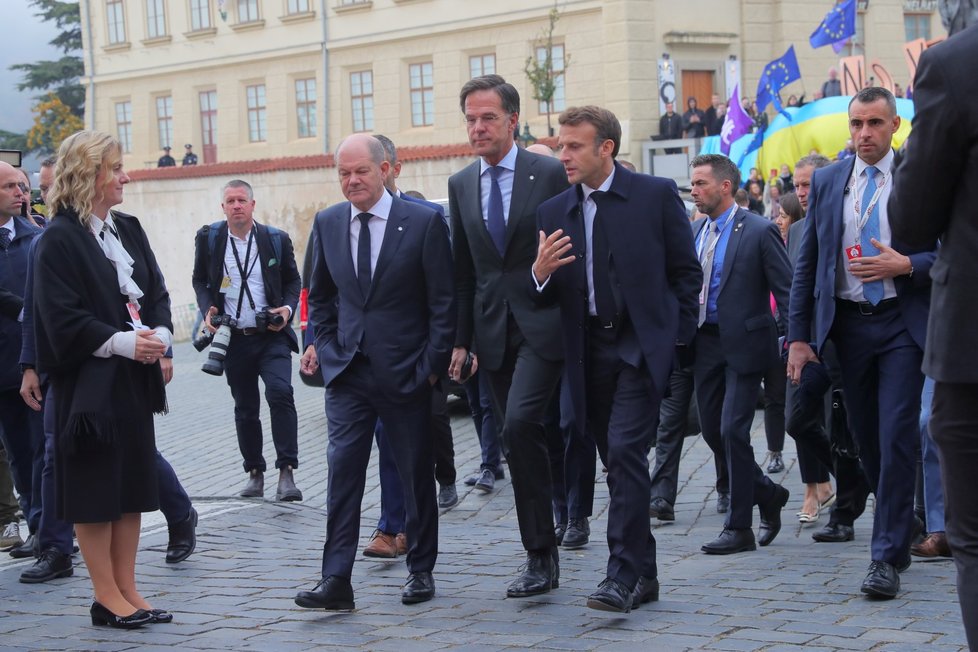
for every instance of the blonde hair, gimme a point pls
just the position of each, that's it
(84, 159)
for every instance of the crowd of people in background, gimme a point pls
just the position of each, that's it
(796, 290)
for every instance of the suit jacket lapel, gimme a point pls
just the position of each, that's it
(733, 243)
(838, 198)
(574, 229)
(264, 243)
(473, 205)
(397, 223)
(217, 262)
(522, 187)
(337, 238)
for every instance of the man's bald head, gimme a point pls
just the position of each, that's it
(363, 170)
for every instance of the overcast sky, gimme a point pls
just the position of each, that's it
(23, 39)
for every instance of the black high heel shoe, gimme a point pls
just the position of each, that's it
(160, 616)
(102, 616)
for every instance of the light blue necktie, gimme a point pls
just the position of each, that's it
(872, 291)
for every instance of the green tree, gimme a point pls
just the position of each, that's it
(541, 74)
(53, 122)
(10, 140)
(58, 77)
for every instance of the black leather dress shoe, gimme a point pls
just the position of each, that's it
(882, 581)
(26, 549)
(723, 503)
(420, 587)
(447, 496)
(559, 531)
(646, 590)
(834, 533)
(611, 595)
(539, 574)
(102, 616)
(333, 593)
(577, 535)
(183, 539)
(51, 565)
(255, 487)
(771, 517)
(160, 616)
(661, 509)
(730, 542)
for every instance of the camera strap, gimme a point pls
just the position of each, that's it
(241, 270)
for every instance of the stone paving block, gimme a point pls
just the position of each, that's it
(237, 590)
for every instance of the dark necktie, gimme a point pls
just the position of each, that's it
(363, 254)
(873, 290)
(604, 298)
(4, 238)
(497, 222)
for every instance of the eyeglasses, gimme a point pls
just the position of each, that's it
(489, 118)
(24, 187)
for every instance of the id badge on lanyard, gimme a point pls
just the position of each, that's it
(861, 218)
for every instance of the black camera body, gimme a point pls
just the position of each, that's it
(265, 318)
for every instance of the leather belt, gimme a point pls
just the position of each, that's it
(251, 330)
(866, 308)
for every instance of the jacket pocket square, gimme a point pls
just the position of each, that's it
(272, 262)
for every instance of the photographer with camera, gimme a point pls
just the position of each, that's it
(240, 269)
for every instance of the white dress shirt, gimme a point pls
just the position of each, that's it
(848, 286)
(236, 296)
(380, 212)
(123, 342)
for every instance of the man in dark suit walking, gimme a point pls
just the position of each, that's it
(941, 157)
(616, 255)
(860, 286)
(493, 205)
(807, 410)
(245, 269)
(21, 429)
(743, 261)
(381, 299)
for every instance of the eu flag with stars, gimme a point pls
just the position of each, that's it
(837, 26)
(777, 74)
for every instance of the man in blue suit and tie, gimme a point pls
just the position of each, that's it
(381, 300)
(870, 294)
(743, 263)
(616, 256)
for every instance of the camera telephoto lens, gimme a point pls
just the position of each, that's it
(214, 364)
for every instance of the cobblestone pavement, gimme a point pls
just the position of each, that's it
(236, 591)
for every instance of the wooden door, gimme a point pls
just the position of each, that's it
(208, 125)
(698, 84)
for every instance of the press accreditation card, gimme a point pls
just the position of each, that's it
(855, 251)
(136, 322)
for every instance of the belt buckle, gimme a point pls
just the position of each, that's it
(865, 308)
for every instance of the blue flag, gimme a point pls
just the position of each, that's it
(837, 26)
(755, 143)
(777, 74)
